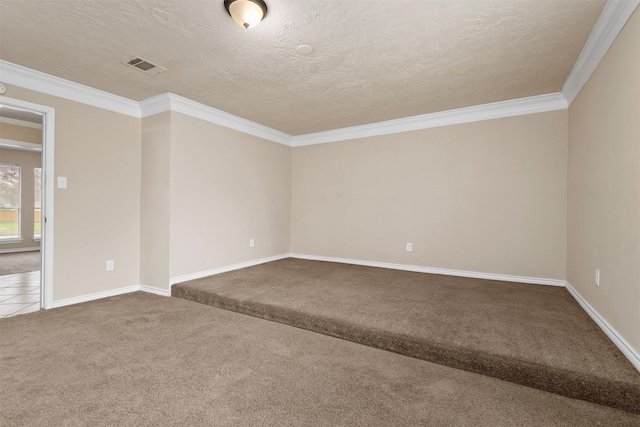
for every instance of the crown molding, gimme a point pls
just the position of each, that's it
(155, 105)
(35, 80)
(495, 110)
(171, 102)
(614, 16)
(22, 123)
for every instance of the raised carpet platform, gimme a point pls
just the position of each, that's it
(532, 335)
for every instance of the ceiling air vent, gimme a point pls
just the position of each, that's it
(144, 65)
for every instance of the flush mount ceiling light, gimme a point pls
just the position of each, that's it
(246, 13)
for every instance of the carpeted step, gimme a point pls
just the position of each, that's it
(531, 335)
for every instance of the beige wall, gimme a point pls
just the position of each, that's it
(172, 195)
(97, 217)
(487, 197)
(604, 186)
(155, 197)
(226, 187)
(20, 133)
(27, 160)
(167, 193)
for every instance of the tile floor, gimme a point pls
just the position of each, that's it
(19, 293)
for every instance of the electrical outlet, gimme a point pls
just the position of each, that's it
(110, 265)
(252, 243)
(409, 247)
(597, 278)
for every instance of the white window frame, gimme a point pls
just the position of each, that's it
(9, 240)
(38, 237)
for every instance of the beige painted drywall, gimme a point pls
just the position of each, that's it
(97, 217)
(487, 197)
(604, 186)
(20, 133)
(226, 187)
(154, 201)
(27, 160)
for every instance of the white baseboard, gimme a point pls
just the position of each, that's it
(10, 251)
(111, 293)
(621, 343)
(614, 336)
(157, 291)
(433, 270)
(219, 270)
(94, 296)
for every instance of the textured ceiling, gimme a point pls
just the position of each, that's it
(372, 60)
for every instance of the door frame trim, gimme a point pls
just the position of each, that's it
(46, 241)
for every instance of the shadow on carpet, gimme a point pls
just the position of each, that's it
(532, 335)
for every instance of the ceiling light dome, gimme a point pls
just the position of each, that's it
(246, 13)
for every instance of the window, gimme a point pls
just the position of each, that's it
(37, 202)
(9, 202)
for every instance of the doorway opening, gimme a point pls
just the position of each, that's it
(26, 211)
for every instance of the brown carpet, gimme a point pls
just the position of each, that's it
(532, 335)
(19, 262)
(145, 360)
